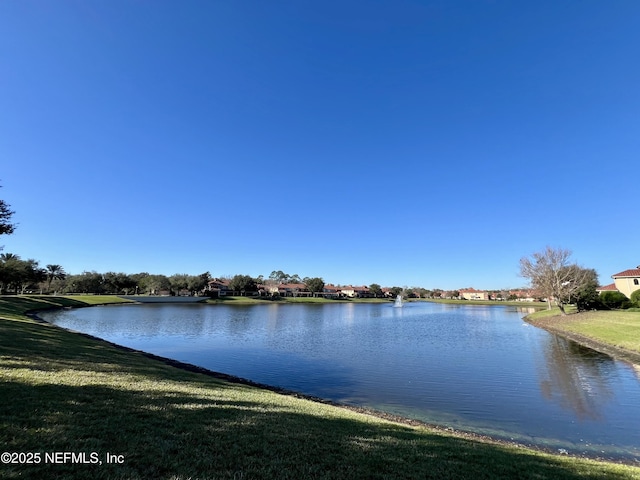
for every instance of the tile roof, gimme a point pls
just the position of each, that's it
(633, 272)
(610, 287)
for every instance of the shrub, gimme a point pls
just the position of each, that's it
(635, 298)
(589, 302)
(587, 298)
(614, 300)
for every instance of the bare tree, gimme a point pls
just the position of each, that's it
(551, 273)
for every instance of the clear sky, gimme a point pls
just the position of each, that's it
(399, 142)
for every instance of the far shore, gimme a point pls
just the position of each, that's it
(257, 300)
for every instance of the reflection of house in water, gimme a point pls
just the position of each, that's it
(577, 377)
(527, 310)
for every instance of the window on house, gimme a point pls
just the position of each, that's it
(636, 281)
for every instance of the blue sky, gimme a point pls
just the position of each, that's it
(419, 143)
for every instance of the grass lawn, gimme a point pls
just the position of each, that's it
(618, 328)
(494, 303)
(231, 300)
(340, 300)
(12, 306)
(65, 392)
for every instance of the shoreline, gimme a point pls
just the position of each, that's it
(441, 429)
(189, 367)
(553, 325)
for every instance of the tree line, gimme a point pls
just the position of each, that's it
(26, 276)
(20, 276)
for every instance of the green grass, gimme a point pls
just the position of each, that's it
(97, 299)
(553, 312)
(65, 392)
(339, 300)
(258, 300)
(489, 302)
(618, 328)
(237, 300)
(16, 306)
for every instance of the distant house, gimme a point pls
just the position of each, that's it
(288, 289)
(473, 294)
(525, 295)
(296, 290)
(351, 291)
(219, 287)
(607, 288)
(627, 281)
(330, 291)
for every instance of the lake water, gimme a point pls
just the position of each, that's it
(473, 368)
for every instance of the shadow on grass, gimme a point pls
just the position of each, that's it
(15, 306)
(168, 435)
(66, 393)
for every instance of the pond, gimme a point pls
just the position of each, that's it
(475, 368)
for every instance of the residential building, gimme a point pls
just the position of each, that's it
(473, 294)
(526, 295)
(386, 291)
(351, 291)
(288, 289)
(607, 288)
(627, 281)
(330, 291)
(219, 287)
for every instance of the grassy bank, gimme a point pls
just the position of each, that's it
(258, 300)
(15, 307)
(230, 300)
(65, 392)
(452, 301)
(615, 332)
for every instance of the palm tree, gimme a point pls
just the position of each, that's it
(8, 262)
(54, 272)
(5, 257)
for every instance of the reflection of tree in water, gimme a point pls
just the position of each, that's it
(576, 377)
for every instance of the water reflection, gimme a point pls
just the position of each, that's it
(526, 310)
(577, 378)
